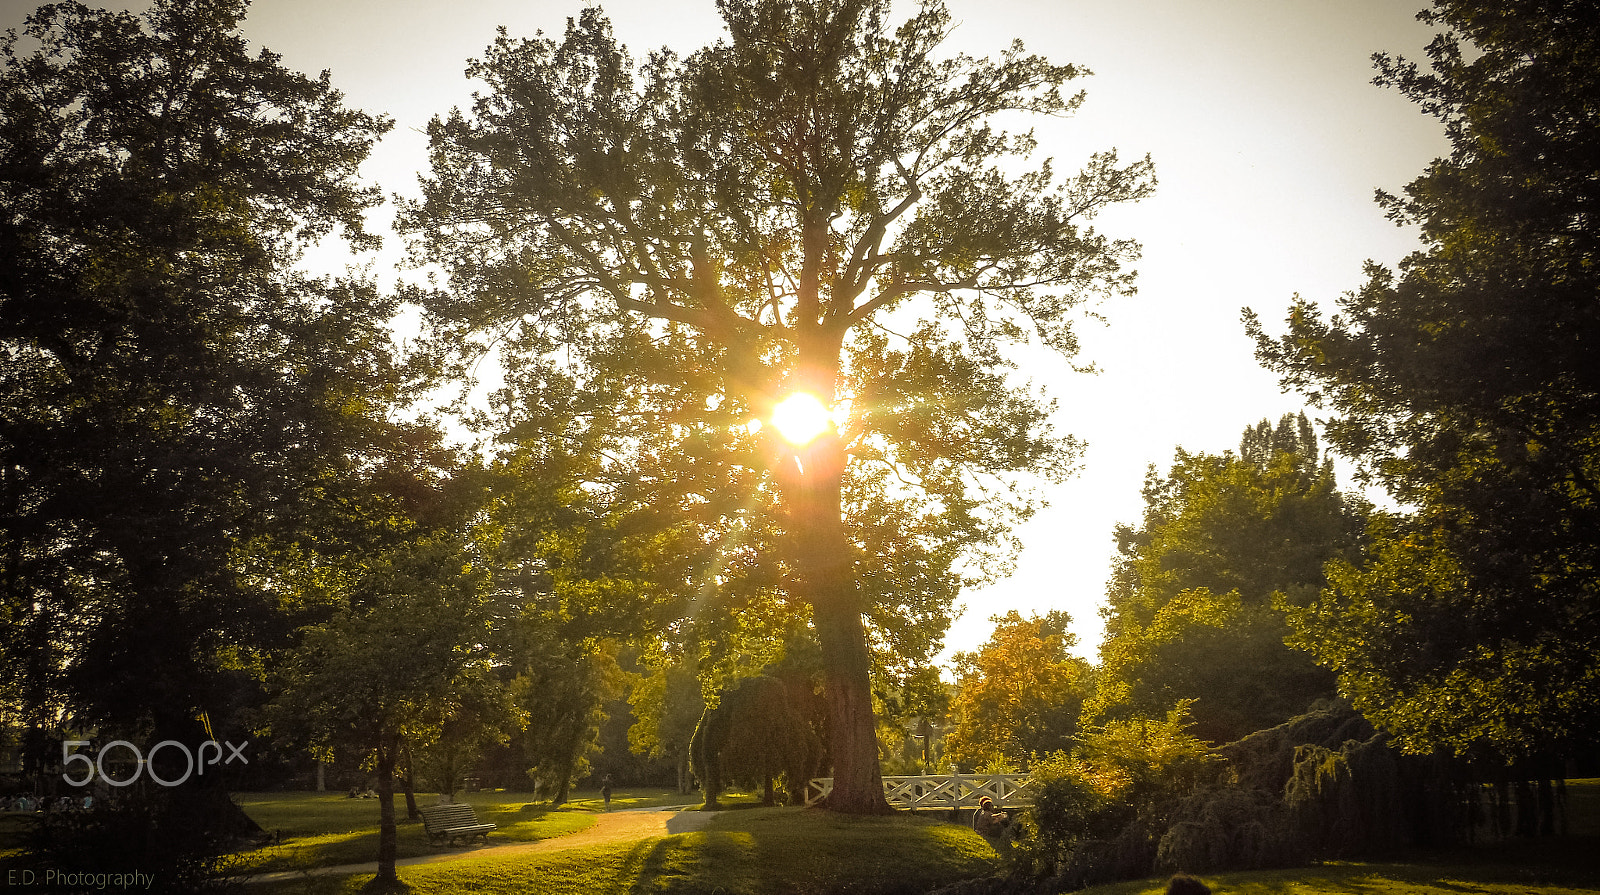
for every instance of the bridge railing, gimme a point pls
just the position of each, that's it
(942, 790)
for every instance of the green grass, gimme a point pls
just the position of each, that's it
(14, 832)
(765, 851)
(788, 851)
(322, 829)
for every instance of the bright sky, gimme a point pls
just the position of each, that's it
(1268, 139)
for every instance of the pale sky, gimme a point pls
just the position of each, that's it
(1268, 138)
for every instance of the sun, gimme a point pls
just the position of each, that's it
(800, 418)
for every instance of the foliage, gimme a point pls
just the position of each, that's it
(1019, 695)
(693, 241)
(758, 730)
(667, 705)
(172, 392)
(1465, 383)
(175, 836)
(408, 656)
(1071, 804)
(913, 719)
(563, 688)
(1198, 591)
(1100, 810)
(1142, 755)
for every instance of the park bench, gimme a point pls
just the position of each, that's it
(447, 823)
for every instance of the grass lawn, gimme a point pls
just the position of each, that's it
(763, 851)
(325, 828)
(1424, 877)
(789, 851)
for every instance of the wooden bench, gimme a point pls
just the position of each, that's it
(447, 823)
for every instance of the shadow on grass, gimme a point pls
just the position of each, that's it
(694, 862)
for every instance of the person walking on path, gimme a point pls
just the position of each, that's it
(605, 790)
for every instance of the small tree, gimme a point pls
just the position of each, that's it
(667, 705)
(753, 736)
(564, 687)
(408, 657)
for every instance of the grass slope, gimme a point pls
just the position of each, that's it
(322, 829)
(767, 851)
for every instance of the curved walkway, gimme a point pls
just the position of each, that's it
(624, 825)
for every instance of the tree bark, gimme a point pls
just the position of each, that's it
(827, 575)
(410, 785)
(386, 878)
(563, 788)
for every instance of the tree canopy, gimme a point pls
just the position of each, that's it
(172, 392)
(700, 237)
(1195, 606)
(1018, 696)
(1465, 383)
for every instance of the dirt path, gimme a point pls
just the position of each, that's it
(628, 825)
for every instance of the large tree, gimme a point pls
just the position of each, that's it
(1466, 383)
(171, 391)
(714, 233)
(1199, 589)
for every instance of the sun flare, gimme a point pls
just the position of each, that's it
(800, 418)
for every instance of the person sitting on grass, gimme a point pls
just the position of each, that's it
(1184, 884)
(988, 821)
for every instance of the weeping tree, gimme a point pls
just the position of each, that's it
(757, 732)
(816, 204)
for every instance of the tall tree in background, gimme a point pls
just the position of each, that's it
(171, 391)
(667, 704)
(1195, 606)
(729, 228)
(1466, 383)
(565, 687)
(1019, 695)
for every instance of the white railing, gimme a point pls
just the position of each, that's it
(942, 790)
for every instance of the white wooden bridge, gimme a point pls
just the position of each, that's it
(942, 790)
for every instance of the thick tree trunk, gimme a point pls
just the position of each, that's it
(828, 576)
(563, 788)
